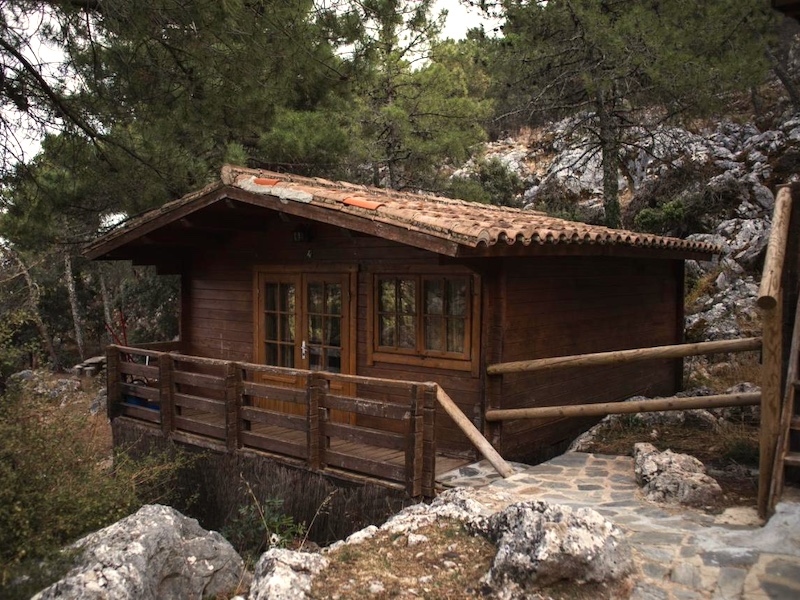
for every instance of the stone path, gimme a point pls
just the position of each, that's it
(681, 553)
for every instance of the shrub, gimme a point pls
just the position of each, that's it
(260, 525)
(492, 183)
(57, 481)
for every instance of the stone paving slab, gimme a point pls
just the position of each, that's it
(681, 553)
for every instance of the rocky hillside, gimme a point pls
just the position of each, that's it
(714, 184)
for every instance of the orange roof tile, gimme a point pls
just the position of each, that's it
(467, 224)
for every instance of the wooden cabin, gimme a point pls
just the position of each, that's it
(285, 276)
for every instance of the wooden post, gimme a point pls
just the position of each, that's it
(233, 401)
(429, 443)
(600, 409)
(166, 367)
(113, 384)
(625, 356)
(315, 393)
(414, 442)
(472, 433)
(768, 292)
(771, 380)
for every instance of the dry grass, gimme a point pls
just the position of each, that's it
(448, 565)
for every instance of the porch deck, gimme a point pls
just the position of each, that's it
(350, 426)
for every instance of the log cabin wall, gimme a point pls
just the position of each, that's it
(557, 306)
(218, 308)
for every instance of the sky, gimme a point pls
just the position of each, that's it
(461, 18)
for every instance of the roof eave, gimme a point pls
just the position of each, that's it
(152, 220)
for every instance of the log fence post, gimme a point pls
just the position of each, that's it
(771, 397)
(414, 441)
(315, 393)
(166, 368)
(233, 401)
(113, 383)
(429, 442)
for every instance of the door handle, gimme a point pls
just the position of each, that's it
(304, 350)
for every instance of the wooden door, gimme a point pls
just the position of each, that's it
(303, 322)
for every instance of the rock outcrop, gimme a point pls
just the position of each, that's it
(285, 574)
(539, 544)
(155, 553)
(670, 477)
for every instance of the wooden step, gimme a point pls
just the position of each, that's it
(792, 459)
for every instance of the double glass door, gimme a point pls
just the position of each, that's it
(303, 321)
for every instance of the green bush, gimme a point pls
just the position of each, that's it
(492, 183)
(259, 525)
(57, 481)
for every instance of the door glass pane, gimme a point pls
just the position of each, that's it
(271, 324)
(434, 333)
(333, 335)
(315, 358)
(287, 355)
(287, 297)
(271, 355)
(287, 327)
(314, 300)
(315, 329)
(333, 301)
(271, 293)
(279, 323)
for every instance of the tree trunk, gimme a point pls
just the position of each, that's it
(73, 302)
(106, 300)
(33, 303)
(785, 78)
(609, 148)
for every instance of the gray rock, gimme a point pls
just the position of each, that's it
(25, 375)
(671, 477)
(282, 574)
(539, 544)
(155, 553)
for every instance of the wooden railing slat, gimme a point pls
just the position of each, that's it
(140, 391)
(364, 435)
(365, 466)
(269, 417)
(215, 407)
(216, 432)
(274, 392)
(364, 406)
(212, 382)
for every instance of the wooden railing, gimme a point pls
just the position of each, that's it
(378, 428)
(770, 399)
(624, 357)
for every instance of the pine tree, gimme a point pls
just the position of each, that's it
(618, 64)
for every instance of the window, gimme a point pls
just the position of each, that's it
(423, 315)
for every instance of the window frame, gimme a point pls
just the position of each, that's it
(467, 360)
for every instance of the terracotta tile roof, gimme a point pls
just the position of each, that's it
(467, 224)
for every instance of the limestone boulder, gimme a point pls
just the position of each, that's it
(539, 544)
(673, 478)
(282, 574)
(156, 553)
